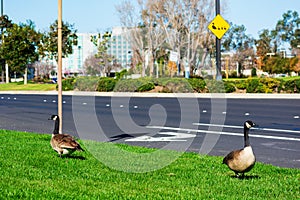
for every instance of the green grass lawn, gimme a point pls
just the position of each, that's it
(30, 169)
(28, 87)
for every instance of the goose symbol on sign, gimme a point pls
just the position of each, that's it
(218, 26)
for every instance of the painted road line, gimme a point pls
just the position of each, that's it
(240, 127)
(174, 137)
(223, 133)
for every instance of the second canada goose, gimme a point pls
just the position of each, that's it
(242, 160)
(62, 143)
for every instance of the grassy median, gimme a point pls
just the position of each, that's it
(30, 169)
(28, 87)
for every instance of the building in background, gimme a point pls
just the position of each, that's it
(74, 63)
(120, 47)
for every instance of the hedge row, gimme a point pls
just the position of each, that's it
(181, 85)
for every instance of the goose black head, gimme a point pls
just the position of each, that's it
(54, 117)
(249, 124)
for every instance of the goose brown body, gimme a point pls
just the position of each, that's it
(242, 160)
(63, 143)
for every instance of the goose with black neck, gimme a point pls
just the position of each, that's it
(63, 144)
(242, 160)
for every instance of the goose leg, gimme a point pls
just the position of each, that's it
(237, 174)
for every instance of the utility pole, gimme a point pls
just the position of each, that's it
(2, 62)
(59, 62)
(218, 48)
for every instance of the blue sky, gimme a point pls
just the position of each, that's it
(99, 15)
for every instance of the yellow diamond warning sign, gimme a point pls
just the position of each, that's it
(218, 26)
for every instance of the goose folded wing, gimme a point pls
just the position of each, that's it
(67, 141)
(231, 156)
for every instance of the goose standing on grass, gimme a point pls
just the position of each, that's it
(243, 160)
(62, 143)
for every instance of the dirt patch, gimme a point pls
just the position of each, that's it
(157, 89)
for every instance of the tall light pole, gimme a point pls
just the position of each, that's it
(218, 48)
(59, 62)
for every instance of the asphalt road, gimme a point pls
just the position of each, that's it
(206, 125)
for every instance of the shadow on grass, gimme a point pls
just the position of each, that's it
(249, 177)
(73, 157)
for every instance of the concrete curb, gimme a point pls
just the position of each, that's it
(163, 95)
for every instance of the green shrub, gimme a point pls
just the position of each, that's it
(106, 84)
(176, 85)
(271, 84)
(134, 85)
(87, 83)
(240, 84)
(146, 87)
(229, 87)
(252, 85)
(197, 84)
(297, 83)
(291, 86)
(68, 84)
(215, 86)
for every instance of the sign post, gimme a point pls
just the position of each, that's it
(218, 27)
(59, 62)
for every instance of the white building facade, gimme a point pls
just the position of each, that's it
(74, 63)
(119, 47)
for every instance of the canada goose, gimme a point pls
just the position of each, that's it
(241, 161)
(62, 143)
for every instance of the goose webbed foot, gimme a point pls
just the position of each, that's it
(240, 176)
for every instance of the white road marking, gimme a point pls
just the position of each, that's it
(175, 137)
(224, 133)
(263, 129)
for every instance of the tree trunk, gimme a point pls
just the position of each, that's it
(7, 73)
(25, 76)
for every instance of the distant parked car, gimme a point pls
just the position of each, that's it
(280, 75)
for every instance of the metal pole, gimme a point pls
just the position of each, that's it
(1, 7)
(2, 63)
(59, 62)
(218, 48)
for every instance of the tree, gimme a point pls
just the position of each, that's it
(20, 46)
(242, 44)
(92, 66)
(185, 23)
(288, 28)
(176, 25)
(5, 23)
(106, 62)
(50, 40)
(263, 46)
(130, 18)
